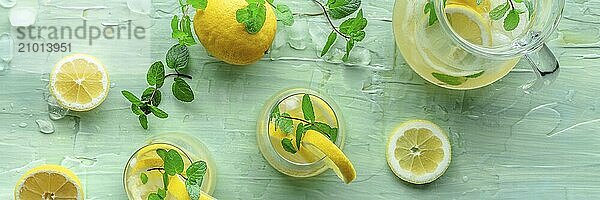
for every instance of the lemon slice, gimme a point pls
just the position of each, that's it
(469, 24)
(48, 182)
(418, 151)
(335, 158)
(177, 190)
(79, 82)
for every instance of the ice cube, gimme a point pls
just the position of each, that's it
(22, 16)
(6, 47)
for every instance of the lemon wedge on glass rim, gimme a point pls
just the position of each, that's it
(79, 82)
(49, 182)
(318, 144)
(418, 151)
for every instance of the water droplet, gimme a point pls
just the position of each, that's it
(6, 47)
(113, 85)
(23, 16)
(56, 112)
(13, 125)
(45, 126)
(139, 6)
(23, 125)
(570, 95)
(465, 179)
(8, 3)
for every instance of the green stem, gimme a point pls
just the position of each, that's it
(179, 74)
(163, 169)
(329, 20)
(298, 119)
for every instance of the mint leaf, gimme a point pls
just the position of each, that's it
(156, 74)
(195, 173)
(147, 94)
(512, 20)
(307, 108)
(186, 24)
(182, 91)
(284, 14)
(432, 15)
(450, 80)
(193, 190)
(154, 196)
(330, 40)
(136, 110)
(286, 125)
(475, 75)
(288, 146)
(175, 27)
(144, 178)
(173, 161)
(354, 27)
(131, 97)
(162, 192)
(252, 16)
(275, 112)
(499, 11)
(158, 112)
(479, 2)
(339, 9)
(143, 121)
(349, 47)
(198, 4)
(324, 129)
(300, 130)
(177, 57)
(165, 180)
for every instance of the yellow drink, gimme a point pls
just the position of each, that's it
(432, 54)
(146, 161)
(303, 163)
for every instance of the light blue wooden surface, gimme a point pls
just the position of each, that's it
(500, 135)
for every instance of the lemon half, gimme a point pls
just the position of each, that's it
(79, 82)
(334, 157)
(418, 152)
(49, 182)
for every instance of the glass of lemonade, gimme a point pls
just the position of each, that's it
(466, 44)
(146, 161)
(303, 163)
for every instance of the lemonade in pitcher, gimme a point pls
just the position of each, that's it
(478, 24)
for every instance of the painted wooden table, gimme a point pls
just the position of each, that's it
(506, 144)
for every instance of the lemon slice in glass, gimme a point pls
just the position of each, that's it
(79, 82)
(418, 152)
(336, 159)
(469, 24)
(48, 182)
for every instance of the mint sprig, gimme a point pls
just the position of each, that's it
(173, 165)
(177, 59)
(284, 122)
(182, 26)
(352, 29)
(455, 80)
(254, 15)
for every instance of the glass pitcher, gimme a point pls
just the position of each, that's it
(467, 44)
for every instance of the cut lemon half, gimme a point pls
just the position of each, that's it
(335, 158)
(418, 152)
(49, 182)
(79, 82)
(469, 24)
(177, 190)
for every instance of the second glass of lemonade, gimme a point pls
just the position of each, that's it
(279, 143)
(143, 174)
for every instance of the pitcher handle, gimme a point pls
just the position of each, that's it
(545, 67)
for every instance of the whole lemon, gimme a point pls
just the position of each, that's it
(226, 39)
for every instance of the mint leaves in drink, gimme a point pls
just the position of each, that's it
(173, 165)
(284, 122)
